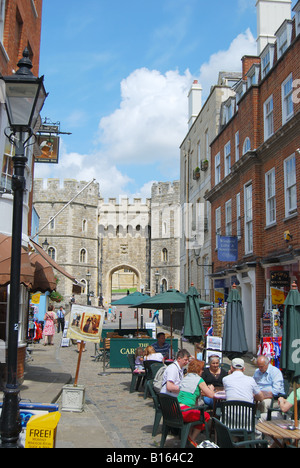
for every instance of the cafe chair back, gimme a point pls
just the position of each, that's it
(224, 438)
(239, 417)
(173, 419)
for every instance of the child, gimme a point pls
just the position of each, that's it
(139, 359)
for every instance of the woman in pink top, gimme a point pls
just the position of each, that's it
(49, 327)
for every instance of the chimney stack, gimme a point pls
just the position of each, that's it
(195, 102)
(270, 15)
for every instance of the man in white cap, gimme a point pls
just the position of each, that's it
(239, 386)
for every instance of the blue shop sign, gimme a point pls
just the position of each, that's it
(228, 248)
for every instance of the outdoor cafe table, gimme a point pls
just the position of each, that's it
(277, 429)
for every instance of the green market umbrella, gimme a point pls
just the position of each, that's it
(132, 299)
(289, 359)
(193, 327)
(170, 299)
(234, 341)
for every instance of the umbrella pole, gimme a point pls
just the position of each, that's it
(296, 423)
(137, 321)
(171, 326)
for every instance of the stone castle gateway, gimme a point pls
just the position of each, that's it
(119, 244)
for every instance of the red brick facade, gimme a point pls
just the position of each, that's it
(270, 249)
(22, 28)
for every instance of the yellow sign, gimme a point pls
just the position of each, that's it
(219, 296)
(41, 431)
(278, 296)
(35, 298)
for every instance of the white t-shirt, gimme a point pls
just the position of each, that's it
(154, 357)
(240, 387)
(174, 373)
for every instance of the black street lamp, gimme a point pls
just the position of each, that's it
(25, 96)
(88, 279)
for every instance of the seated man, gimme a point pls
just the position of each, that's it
(161, 346)
(173, 374)
(241, 387)
(270, 381)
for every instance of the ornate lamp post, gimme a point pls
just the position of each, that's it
(25, 96)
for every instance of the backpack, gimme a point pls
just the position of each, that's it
(157, 382)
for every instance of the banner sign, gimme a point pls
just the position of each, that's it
(280, 278)
(85, 323)
(227, 248)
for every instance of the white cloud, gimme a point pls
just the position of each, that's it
(149, 125)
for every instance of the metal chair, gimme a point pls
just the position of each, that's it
(224, 438)
(239, 417)
(102, 353)
(173, 419)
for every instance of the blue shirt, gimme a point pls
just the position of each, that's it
(164, 350)
(270, 381)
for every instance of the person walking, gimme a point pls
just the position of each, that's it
(156, 316)
(61, 319)
(49, 328)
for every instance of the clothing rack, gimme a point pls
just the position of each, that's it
(271, 347)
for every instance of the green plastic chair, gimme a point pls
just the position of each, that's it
(151, 367)
(173, 419)
(239, 417)
(136, 378)
(158, 411)
(224, 438)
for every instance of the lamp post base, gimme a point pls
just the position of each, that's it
(10, 423)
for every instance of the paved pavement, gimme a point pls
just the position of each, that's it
(112, 416)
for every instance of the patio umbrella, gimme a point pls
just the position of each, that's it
(234, 336)
(289, 359)
(132, 299)
(170, 299)
(193, 327)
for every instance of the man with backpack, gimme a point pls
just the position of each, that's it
(173, 374)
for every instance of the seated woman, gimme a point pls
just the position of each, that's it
(213, 375)
(191, 388)
(286, 404)
(151, 355)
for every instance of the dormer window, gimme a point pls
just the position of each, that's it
(267, 59)
(228, 110)
(253, 75)
(284, 37)
(240, 90)
(296, 9)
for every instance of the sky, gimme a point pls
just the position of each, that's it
(118, 75)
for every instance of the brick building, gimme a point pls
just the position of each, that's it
(255, 168)
(20, 27)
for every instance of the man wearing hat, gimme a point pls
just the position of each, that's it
(239, 386)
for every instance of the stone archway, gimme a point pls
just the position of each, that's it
(109, 278)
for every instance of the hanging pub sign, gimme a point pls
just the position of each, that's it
(227, 248)
(49, 147)
(279, 278)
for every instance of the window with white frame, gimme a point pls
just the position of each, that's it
(268, 118)
(248, 219)
(287, 99)
(270, 197)
(290, 188)
(228, 218)
(227, 158)
(238, 216)
(284, 35)
(217, 168)
(267, 58)
(218, 225)
(237, 145)
(246, 145)
(7, 165)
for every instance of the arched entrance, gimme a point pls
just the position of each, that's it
(120, 279)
